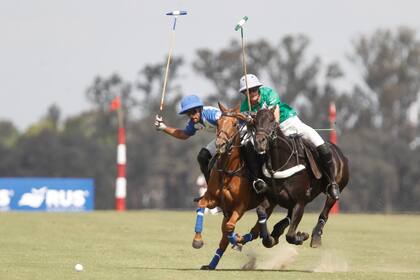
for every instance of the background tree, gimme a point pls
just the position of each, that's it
(389, 63)
(374, 129)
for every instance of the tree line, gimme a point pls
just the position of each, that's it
(375, 128)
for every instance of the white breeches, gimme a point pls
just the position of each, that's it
(295, 125)
(211, 147)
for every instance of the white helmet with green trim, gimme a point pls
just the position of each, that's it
(252, 82)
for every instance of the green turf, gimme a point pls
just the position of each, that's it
(157, 245)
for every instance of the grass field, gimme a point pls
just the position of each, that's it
(157, 245)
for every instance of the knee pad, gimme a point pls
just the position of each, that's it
(324, 151)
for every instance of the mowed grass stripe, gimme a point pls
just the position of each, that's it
(157, 245)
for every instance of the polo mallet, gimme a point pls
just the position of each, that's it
(238, 26)
(175, 14)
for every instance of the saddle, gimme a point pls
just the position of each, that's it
(306, 152)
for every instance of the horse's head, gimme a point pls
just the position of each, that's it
(265, 125)
(228, 128)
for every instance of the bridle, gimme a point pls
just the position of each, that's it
(229, 142)
(225, 137)
(270, 133)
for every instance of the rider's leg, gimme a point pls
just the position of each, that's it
(295, 125)
(254, 163)
(329, 168)
(203, 159)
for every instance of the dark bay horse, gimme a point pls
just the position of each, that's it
(229, 186)
(293, 178)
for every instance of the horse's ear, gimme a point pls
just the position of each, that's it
(248, 118)
(222, 108)
(273, 109)
(237, 108)
(242, 117)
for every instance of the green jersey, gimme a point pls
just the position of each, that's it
(271, 98)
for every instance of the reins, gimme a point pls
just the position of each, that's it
(230, 146)
(271, 135)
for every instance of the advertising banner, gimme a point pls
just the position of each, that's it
(46, 194)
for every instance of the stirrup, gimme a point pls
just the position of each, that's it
(259, 189)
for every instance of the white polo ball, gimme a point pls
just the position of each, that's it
(78, 267)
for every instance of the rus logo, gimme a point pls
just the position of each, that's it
(66, 198)
(54, 199)
(34, 199)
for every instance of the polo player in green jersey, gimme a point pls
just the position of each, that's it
(289, 123)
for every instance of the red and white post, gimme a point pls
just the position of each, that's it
(121, 181)
(333, 139)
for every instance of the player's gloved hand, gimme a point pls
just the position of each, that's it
(159, 124)
(249, 117)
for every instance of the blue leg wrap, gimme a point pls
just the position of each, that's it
(232, 238)
(199, 220)
(216, 258)
(247, 237)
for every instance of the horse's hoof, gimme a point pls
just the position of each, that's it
(300, 238)
(269, 242)
(197, 244)
(206, 267)
(316, 241)
(304, 236)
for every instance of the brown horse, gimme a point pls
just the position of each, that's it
(294, 178)
(229, 186)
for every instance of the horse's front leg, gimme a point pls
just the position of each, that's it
(219, 252)
(264, 212)
(292, 236)
(322, 220)
(279, 228)
(230, 227)
(201, 206)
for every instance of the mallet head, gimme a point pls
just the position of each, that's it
(241, 23)
(176, 13)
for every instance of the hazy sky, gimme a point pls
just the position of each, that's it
(51, 50)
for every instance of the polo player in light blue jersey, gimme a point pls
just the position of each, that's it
(201, 118)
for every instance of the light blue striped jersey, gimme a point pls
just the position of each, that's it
(208, 121)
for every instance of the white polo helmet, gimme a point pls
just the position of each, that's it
(252, 82)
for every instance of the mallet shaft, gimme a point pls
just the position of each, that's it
(237, 27)
(245, 72)
(168, 62)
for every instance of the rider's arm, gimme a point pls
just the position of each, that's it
(273, 99)
(177, 133)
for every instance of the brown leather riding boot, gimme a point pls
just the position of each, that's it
(327, 163)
